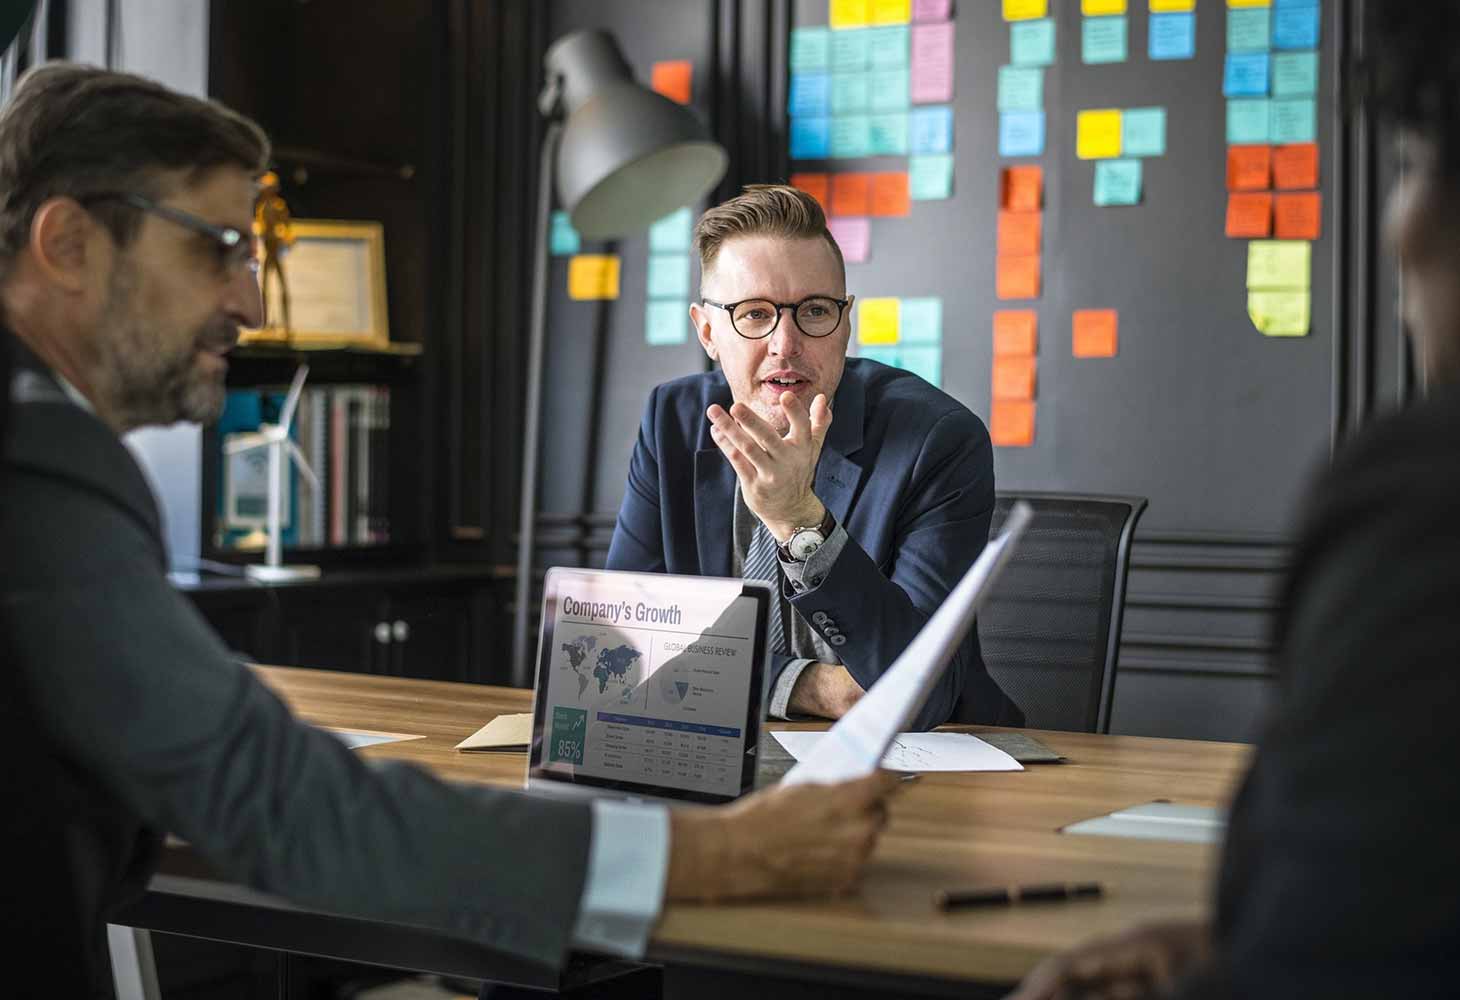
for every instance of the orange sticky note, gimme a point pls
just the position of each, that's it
(1011, 424)
(1022, 189)
(890, 194)
(1249, 168)
(1014, 377)
(817, 186)
(1016, 332)
(1018, 277)
(674, 79)
(1298, 216)
(850, 194)
(1295, 167)
(1095, 332)
(1249, 215)
(1019, 232)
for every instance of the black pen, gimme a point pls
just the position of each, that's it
(949, 899)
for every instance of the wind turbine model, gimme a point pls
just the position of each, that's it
(275, 437)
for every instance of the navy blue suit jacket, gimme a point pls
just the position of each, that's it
(907, 469)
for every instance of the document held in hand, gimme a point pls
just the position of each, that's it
(855, 746)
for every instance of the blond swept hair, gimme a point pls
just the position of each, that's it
(763, 210)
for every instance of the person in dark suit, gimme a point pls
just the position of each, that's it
(1340, 876)
(865, 520)
(125, 274)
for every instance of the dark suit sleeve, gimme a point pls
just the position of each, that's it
(638, 534)
(941, 524)
(133, 686)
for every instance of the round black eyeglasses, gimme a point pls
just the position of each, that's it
(757, 319)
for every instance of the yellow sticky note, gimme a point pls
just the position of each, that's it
(593, 276)
(877, 320)
(891, 11)
(1098, 8)
(849, 13)
(1025, 10)
(1241, 3)
(1172, 6)
(1280, 264)
(1283, 313)
(1097, 134)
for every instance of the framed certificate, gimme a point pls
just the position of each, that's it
(335, 272)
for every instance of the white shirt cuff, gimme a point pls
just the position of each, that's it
(628, 864)
(781, 697)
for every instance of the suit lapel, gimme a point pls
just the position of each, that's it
(714, 513)
(837, 473)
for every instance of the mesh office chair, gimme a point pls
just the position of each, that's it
(1050, 631)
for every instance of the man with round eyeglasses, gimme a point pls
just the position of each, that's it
(861, 491)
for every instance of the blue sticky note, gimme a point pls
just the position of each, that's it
(810, 138)
(1295, 74)
(1031, 43)
(1173, 36)
(851, 137)
(1294, 119)
(850, 93)
(924, 362)
(930, 177)
(1021, 133)
(1246, 75)
(668, 276)
(1248, 121)
(1117, 182)
(1103, 40)
(1295, 26)
(1021, 88)
(1143, 132)
(672, 233)
(810, 49)
(666, 323)
(889, 133)
(889, 89)
(1249, 29)
(810, 95)
(921, 321)
(930, 130)
(849, 50)
(886, 354)
(887, 48)
(563, 239)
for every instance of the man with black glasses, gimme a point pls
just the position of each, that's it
(865, 519)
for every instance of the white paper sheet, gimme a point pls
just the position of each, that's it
(920, 752)
(1158, 821)
(855, 745)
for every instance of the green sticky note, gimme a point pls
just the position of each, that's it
(1031, 43)
(668, 276)
(925, 362)
(1103, 40)
(1143, 132)
(1021, 88)
(887, 48)
(1294, 119)
(850, 93)
(921, 322)
(888, 134)
(1249, 29)
(666, 322)
(1295, 74)
(851, 137)
(889, 90)
(1117, 182)
(1283, 265)
(672, 232)
(564, 239)
(1285, 313)
(810, 49)
(930, 177)
(884, 353)
(1248, 122)
(849, 50)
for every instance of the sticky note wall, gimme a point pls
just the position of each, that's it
(669, 277)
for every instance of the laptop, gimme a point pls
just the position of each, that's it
(649, 685)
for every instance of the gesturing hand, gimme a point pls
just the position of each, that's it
(776, 473)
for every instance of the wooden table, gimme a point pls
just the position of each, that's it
(946, 830)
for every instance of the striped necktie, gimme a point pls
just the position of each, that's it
(762, 562)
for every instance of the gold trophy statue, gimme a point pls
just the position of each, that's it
(272, 226)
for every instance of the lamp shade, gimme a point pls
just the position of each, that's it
(628, 156)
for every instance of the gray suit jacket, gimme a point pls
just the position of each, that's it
(159, 729)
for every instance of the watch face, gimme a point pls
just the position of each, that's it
(803, 543)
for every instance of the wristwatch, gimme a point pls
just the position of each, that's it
(804, 541)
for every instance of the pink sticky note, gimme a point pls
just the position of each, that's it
(854, 236)
(932, 63)
(932, 10)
